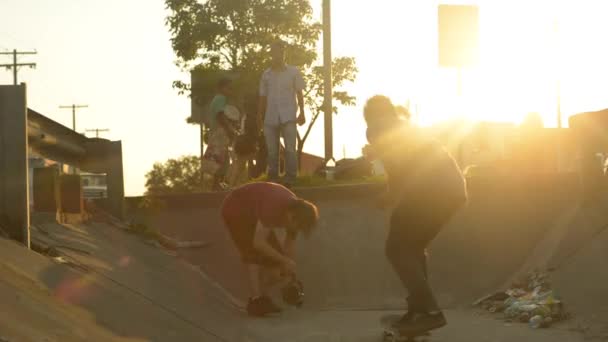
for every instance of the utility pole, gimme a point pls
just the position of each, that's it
(559, 104)
(15, 66)
(557, 73)
(73, 108)
(97, 130)
(327, 81)
(558, 86)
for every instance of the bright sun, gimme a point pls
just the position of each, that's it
(533, 53)
(527, 48)
(530, 51)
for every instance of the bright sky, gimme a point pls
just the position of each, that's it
(115, 56)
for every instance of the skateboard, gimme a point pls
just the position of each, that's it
(391, 334)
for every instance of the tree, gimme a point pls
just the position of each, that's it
(175, 176)
(236, 34)
(344, 70)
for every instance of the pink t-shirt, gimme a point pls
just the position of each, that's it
(264, 202)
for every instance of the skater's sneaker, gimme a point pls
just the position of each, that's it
(411, 310)
(261, 306)
(404, 320)
(419, 323)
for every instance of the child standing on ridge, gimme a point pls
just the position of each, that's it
(221, 134)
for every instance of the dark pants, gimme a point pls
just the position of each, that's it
(413, 225)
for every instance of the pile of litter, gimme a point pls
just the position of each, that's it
(529, 300)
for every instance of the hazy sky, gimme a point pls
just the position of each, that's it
(115, 56)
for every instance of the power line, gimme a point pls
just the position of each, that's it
(15, 66)
(97, 131)
(73, 108)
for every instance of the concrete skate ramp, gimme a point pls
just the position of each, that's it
(579, 265)
(115, 287)
(29, 310)
(343, 264)
(107, 285)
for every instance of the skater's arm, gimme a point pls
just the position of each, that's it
(260, 243)
(262, 105)
(262, 100)
(222, 119)
(394, 184)
(289, 245)
(393, 192)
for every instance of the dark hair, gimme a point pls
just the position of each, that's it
(378, 106)
(305, 214)
(223, 82)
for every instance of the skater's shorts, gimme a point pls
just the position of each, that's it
(242, 234)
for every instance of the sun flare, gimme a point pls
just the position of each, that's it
(531, 54)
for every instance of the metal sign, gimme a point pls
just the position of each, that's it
(458, 35)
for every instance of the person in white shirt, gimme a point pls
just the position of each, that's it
(281, 96)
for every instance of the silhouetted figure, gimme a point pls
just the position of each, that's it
(221, 135)
(246, 143)
(280, 86)
(425, 189)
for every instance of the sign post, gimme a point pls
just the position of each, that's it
(327, 82)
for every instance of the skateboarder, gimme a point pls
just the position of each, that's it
(253, 213)
(425, 189)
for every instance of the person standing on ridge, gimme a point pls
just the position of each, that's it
(221, 135)
(281, 85)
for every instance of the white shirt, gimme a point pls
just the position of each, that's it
(280, 89)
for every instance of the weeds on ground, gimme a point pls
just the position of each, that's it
(145, 231)
(315, 181)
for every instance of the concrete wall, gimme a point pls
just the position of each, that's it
(343, 264)
(14, 202)
(104, 156)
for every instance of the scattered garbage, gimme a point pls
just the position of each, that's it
(529, 300)
(60, 260)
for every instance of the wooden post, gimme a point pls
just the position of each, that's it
(327, 75)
